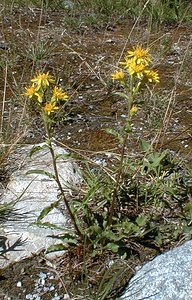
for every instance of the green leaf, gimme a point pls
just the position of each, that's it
(66, 238)
(94, 229)
(112, 247)
(63, 156)
(141, 220)
(68, 155)
(107, 283)
(158, 239)
(36, 149)
(41, 172)
(57, 247)
(53, 226)
(157, 158)
(145, 146)
(111, 235)
(127, 227)
(188, 208)
(115, 134)
(123, 95)
(90, 194)
(47, 225)
(47, 209)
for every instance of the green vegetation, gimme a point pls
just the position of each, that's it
(132, 204)
(142, 201)
(100, 12)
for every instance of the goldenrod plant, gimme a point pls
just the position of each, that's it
(49, 98)
(114, 208)
(134, 76)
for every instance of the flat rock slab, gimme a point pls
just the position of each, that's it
(33, 193)
(166, 277)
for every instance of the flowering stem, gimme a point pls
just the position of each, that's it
(127, 130)
(119, 173)
(49, 142)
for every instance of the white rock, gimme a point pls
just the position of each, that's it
(33, 193)
(19, 284)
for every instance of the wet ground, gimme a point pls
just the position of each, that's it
(83, 58)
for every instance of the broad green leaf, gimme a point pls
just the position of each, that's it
(145, 146)
(127, 227)
(94, 229)
(111, 235)
(141, 220)
(157, 158)
(112, 247)
(41, 172)
(47, 209)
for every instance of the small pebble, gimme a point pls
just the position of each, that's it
(35, 296)
(42, 275)
(19, 284)
(45, 289)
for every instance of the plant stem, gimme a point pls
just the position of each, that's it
(72, 217)
(119, 173)
(131, 93)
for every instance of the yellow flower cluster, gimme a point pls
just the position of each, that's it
(118, 75)
(136, 63)
(38, 91)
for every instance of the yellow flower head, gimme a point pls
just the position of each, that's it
(140, 55)
(30, 92)
(50, 108)
(133, 110)
(136, 69)
(59, 94)
(118, 75)
(42, 80)
(152, 76)
(126, 63)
